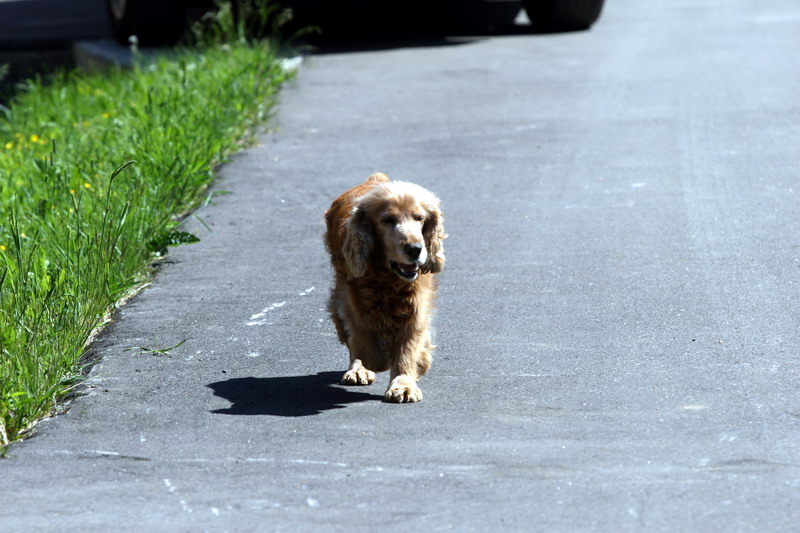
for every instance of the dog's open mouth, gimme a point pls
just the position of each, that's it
(408, 272)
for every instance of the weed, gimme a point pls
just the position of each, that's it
(164, 352)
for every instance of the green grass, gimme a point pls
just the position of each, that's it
(94, 171)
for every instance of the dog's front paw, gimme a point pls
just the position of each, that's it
(358, 376)
(403, 389)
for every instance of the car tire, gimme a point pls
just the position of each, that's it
(556, 15)
(153, 22)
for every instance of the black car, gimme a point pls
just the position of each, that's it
(163, 21)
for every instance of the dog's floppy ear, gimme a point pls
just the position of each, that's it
(357, 242)
(433, 230)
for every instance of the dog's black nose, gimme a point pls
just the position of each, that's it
(413, 250)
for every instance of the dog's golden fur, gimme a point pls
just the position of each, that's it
(385, 241)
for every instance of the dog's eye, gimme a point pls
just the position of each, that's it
(389, 220)
(419, 218)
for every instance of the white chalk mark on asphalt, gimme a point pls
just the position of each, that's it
(262, 317)
(310, 462)
(171, 489)
(259, 319)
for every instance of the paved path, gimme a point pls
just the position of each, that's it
(618, 319)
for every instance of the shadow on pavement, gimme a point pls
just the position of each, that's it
(288, 396)
(391, 25)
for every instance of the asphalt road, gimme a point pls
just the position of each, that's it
(617, 324)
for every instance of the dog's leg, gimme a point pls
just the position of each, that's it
(335, 308)
(363, 347)
(412, 361)
(403, 389)
(357, 374)
(424, 357)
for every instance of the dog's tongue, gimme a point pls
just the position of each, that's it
(407, 268)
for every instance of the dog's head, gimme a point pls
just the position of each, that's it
(397, 226)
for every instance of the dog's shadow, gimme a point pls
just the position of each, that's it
(286, 396)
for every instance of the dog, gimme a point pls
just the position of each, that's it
(385, 242)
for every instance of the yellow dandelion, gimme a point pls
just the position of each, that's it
(87, 185)
(71, 210)
(34, 138)
(9, 145)
(72, 191)
(106, 115)
(3, 248)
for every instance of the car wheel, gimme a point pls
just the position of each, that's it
(153, 22)
(562, 14)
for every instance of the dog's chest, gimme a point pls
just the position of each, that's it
(387, 308)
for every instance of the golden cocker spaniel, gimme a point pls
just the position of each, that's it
(385, 241)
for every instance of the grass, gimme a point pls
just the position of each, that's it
(95, 170)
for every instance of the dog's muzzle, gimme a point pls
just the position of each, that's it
(408, 272)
